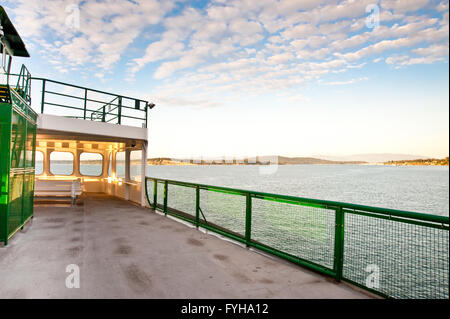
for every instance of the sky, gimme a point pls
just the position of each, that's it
(245, 77)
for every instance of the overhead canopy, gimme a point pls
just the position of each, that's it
(13, 39)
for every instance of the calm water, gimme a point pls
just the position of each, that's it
(422, 189)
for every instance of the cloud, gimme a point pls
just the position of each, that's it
(352, 81)
(87, 32)
(234, 47)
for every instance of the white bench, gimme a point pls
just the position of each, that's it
(58, 188)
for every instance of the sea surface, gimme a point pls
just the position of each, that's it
(423, 189)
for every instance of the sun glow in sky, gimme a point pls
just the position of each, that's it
(247, 77)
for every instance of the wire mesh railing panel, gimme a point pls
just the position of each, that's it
(224, 211)
(150, 184)
(392, 253)
(160, 194)
(302, 231)
(398, 259)
(182, 199)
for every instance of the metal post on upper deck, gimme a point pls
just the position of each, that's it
(85, 104)
(43, 96)
(119, 110)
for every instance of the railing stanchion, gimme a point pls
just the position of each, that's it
(166, 186)
(43, 96)
(248, 219)
(197, 206)
(339, 243)
(155, 195)
(119, 111)
(85, 103)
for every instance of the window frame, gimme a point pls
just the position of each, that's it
(50, 163)
(79, 164)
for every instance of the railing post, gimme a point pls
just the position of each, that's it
(155, 190)
(339, 243)
(103, 115)
(146, 114)
(43, 97)
(197, 206)
(165, 196)
(85, 104)
(248, 219)
(119, 111)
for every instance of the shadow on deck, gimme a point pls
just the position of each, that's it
(125, 251)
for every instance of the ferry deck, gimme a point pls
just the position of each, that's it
(74, 191)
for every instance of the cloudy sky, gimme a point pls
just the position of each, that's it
(246, 77)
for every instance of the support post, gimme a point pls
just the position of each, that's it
(43, 97)
(197, 206)
(143, 174)
(166, 186)
(119, 110)
(339, 243)
(155, 195)
(248, 219)
(85, 104)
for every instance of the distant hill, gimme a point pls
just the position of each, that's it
(373, 158)
(260, 160)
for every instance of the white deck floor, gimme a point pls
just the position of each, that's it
(125, 251)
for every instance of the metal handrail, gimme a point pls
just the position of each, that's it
(119, 106)
(428, 223)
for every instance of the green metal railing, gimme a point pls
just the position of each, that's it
(75, 101)
(392, 253)
(23, 86)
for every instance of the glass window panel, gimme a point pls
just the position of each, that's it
(91, 164)
(61, 163)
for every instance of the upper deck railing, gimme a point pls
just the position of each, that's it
(393, 253)
(64, 99)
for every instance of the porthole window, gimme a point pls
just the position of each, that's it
(91, 164)
(61, 163)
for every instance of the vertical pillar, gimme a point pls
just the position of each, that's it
(143, 173)
(127, 174)
(47, 160)
(113, 171)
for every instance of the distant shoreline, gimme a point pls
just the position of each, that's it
(289, 161)
(263, 160)
(164, 161)
(420, 162)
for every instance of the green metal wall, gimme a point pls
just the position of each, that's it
(18, 144)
